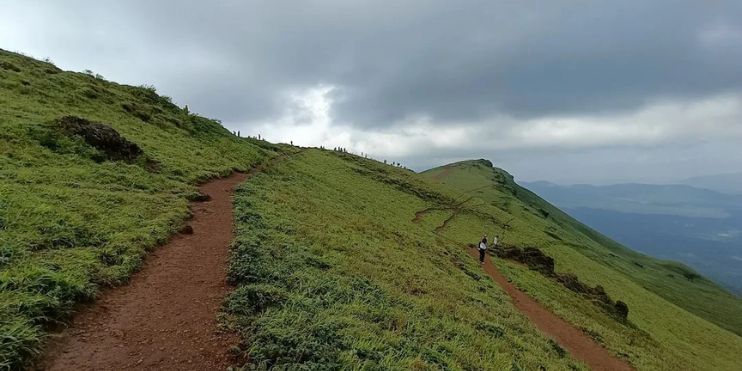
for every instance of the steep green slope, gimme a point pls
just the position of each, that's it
(333, 273)
(673, 281)
(73, 216)
(661, 295)
(345, 262)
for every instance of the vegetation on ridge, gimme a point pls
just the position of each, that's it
(74, 218)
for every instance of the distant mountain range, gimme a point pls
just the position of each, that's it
(726, 183)
(700, 227)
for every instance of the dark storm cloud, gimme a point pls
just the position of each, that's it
(445, 60)
(581, 57)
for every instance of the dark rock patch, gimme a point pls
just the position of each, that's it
(597, 295)
(621, 309)
(571, 282)
(536, 260)
(102, 137)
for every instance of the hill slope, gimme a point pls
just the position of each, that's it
(376, 257)
(661, 295)
(699, 227)
(333, 273)
(80, 203)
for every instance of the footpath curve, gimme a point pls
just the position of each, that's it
(576, 342)
(571, 338)
(165, 317)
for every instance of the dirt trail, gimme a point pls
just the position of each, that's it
(577, 343)
(165, 318)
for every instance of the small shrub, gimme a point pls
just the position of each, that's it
(110, 257)
(7, 254)
(89, 93)
(137, 110)
(253, 299)
(557, 348)
(622, 310)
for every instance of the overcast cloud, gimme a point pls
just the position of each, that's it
(568, 91)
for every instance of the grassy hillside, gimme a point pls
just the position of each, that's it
(333, 272)
(669, 303)
(74, 217)
(339, 262)
(332, 269)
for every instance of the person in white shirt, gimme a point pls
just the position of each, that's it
(482, 249)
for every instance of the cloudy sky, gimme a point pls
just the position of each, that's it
(568, 91)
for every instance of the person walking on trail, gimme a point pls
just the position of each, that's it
(482, 249)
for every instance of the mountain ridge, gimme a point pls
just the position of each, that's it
(727, 183)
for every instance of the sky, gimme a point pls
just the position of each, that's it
(567, 91)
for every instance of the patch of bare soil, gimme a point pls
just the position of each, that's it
(165, 318)
(576, 342)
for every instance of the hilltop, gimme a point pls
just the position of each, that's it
(338, 261)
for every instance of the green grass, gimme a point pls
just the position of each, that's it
(675, 323)
(72, 222)
(344, 278)
(333, 273)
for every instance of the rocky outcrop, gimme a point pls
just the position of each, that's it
(102, 137)
(536, 260)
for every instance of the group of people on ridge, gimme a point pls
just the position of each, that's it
(483, 247)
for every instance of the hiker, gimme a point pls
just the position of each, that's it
(495, 242)
(482, 249)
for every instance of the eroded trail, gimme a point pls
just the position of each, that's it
(165, 318)
(577, 343)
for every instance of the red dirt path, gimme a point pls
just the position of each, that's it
(579, 345)
(165, 318)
